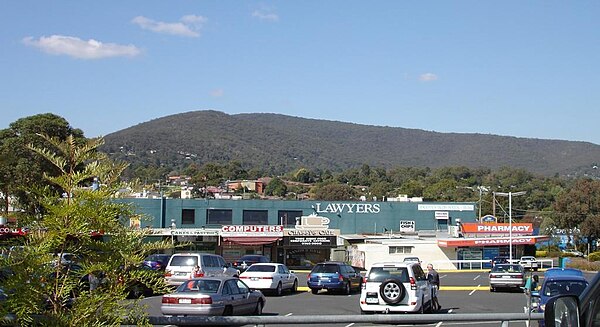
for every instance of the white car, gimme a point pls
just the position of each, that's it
(396, 287)
(529, 262)
(274, 277)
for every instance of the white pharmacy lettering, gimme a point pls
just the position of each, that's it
(503, 228)
(348, 208)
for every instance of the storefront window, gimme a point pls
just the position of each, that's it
(219, 217)
(306, 257)
(255, 217)
(287, 218)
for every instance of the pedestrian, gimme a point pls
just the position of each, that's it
(195, 272)
(531, 284)
(434, 279)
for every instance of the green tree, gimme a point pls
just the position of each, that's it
(577, 204)
(20, 167)
(335, 192)
(276, 187)
(43, 286)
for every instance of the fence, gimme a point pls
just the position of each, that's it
(485, 264)
(502, 318)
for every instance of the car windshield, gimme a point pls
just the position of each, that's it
(379, 274)
(564, 287)
(261, 268)
(508, 268)
(200, 285)
(184, 260)
(330, 269)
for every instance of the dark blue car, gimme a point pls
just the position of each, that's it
(334, 276)
(558, 281)
(157, 261)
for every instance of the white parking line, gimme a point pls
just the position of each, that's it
(476, 277)
(289, 314)
(348, 325)
(442, 276)
(439, 324)
(473, 291)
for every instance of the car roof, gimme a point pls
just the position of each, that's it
(393, 264)
(563, 272)
(268, 264)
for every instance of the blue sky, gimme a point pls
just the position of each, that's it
(517, 68)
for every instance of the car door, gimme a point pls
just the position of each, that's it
(233, 297)
(247, 303)
(284, 275)
(423, 285)
(352, 276)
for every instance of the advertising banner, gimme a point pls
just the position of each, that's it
(251, 230)
(517, 228)
(328, 241)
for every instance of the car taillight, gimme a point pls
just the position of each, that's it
(492, 276)
(364, 283)
(413, 284)
(244, 277)
(169, 300)
(341, 278)
(519, 276)
(168, 273)
(267, 277)
(202, 300)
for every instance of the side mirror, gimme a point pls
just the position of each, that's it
(562, 311)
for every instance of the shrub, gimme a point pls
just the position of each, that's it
(583, 264)
(541, 254)
(594, 256)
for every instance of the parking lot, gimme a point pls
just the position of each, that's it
(461, 292)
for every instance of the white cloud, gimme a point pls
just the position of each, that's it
(265, 14)
(217, 93)
(81, 49)
(428, 77)
(188, 25)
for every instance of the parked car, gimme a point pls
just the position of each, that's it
(529, 262)
(246, 261)
(571, 310)
(396, 287)
(157, 261)
(499, 260)
(213, 296)
(334, 275)
(573, 252)
(507, 276)
(181, 267)
(558, 282)
(275, 277)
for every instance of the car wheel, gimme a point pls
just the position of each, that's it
(259, 308)
(347, 289)
(228, 311)
(392, 291)
(314, 290)
(279, 290)
(295, 286)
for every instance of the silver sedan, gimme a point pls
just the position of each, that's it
(213, 296)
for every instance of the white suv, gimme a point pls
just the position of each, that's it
(396, 287)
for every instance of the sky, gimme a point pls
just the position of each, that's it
(515, 68)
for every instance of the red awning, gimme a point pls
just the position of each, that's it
(491, 241)
(251, 240)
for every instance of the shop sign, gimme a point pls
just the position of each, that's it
(487, 241)
(329, 241)
(184, 232)
(313, 222)
(489, 219)
(443, 215)
(311, 232)
(521, 228)
(5, 230)
(446, 207)
(407, 226)
(348, 208)
(251, 230)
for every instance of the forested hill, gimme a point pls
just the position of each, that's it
(278, 143)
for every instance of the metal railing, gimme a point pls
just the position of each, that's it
(485, 264)
(501, 318)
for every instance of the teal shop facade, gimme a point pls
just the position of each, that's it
(202, 222)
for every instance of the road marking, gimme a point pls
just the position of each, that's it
(439, 324)
(476, 277)
(348, 325)
(464, 288)
(289, 314)
(442, 276)
(473, 291)
(450, 311)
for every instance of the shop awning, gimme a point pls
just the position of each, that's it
(251, 240)
(491, 241)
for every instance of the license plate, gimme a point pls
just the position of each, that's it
(185, 301)
(372, 300)
(505, 276)
(180, 273)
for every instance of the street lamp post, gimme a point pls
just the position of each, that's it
(510, 195)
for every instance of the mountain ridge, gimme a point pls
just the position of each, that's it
(280, 143)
